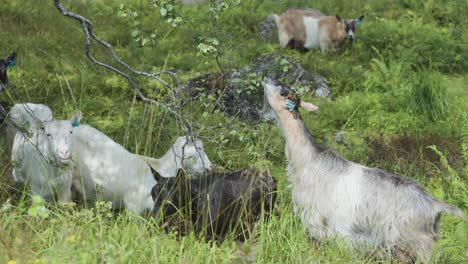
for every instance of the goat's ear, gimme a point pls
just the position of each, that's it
(156, 175)
(11, 60)
(309, 106)
(339, 19)
(157, 166)
(359, 21)
(75, 120)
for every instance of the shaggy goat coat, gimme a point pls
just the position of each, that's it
(334, 196)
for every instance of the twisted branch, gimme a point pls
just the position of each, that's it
(88, 26)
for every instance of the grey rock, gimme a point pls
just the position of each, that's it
(340, 137)
(239, 92)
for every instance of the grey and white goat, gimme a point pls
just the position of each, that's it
(337, 197)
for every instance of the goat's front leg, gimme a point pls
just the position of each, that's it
(65, 190)
(65, 195)
(324, 46)
(316, 222)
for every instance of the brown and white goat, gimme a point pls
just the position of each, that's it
(216, 204)
(309, 29)
(337, 197)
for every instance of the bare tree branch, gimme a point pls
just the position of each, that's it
(188, 127)
(88, 26)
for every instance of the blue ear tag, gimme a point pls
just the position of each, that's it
(291, 106)
(76, 124)
(11, 63)
(357, 23)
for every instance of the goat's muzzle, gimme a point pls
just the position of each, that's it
(284, 91)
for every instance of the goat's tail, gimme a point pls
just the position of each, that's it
(267, 26)
(451, 210)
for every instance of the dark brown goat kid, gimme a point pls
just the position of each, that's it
(10, 61)
(4, 64)
(216, 204)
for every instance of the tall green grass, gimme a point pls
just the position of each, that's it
(406, 75)
(429, 95)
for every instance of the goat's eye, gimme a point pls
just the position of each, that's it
(71, 132)
(48, 135)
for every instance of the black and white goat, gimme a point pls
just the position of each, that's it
(334, 196)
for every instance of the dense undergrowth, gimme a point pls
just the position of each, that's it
(402, 88)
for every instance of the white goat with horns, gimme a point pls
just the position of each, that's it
(106, 170)
(335, 196)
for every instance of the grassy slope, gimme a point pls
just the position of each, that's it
(404, 35)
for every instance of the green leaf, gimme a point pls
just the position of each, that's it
(33, 211)
(163, 11)
(37, 200)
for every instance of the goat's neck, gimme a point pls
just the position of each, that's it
(169, 164)
(300, 148)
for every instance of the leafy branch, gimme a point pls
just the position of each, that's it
(88, 30)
